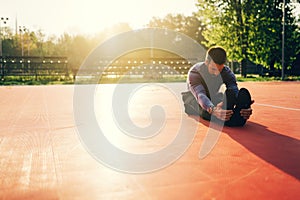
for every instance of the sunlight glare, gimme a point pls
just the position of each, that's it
(95, 15)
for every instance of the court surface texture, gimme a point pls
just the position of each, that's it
(47, 150)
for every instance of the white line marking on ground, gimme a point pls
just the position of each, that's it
(26, 170)
(279, 107)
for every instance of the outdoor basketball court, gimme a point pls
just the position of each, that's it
(42, 155)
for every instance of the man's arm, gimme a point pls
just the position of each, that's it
(198, 87)
(200, 94)
(220, 113)
(207, 105)
(230, 80)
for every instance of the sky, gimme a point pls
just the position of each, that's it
(87, 16)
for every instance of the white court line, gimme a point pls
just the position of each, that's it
(279, 107)
(26, 170)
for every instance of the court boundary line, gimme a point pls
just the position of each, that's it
(278, 107)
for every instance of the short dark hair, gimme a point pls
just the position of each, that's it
(217, 54)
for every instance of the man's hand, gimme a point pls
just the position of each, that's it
(222, 114)
(246, 113)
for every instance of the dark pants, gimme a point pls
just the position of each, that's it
(230, 102)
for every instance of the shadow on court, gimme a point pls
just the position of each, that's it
(278, 150)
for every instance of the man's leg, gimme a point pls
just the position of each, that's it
(192, 107)
(229, 100)
(243, 101)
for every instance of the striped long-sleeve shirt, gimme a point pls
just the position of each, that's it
(205, 86)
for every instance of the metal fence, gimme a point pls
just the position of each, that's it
(33, 66)
(151, 68)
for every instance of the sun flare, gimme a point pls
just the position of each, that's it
(93, 15)
(89, 16)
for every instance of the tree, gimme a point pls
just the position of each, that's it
(9, 43)
(188, 25)
(249, 29)
(265, 37)
(39, 40)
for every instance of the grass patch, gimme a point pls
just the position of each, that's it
(32, 80)
(261, 79)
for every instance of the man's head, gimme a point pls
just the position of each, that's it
(215, 60)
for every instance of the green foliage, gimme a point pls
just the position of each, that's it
(188, 25)
(33, 80)
(251, 29)
(260, 78)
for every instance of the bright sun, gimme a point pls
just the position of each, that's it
(88, 16)
(94, 15)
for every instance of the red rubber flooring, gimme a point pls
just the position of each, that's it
(42, 156)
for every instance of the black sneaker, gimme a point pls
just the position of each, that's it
(244, 99)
